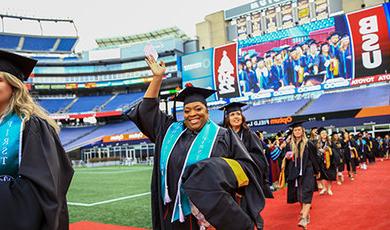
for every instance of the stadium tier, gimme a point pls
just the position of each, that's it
(88, 136)
(122, 100)
(30, 43)
(54, 105)
(90, 103)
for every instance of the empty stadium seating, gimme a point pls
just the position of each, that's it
(54, 105)
(122, 100)
(28, 43)
(86, 136)
(89, 103)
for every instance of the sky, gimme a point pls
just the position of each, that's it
(100, 19)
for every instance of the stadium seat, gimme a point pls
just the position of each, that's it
(88, 103)
(54, 105)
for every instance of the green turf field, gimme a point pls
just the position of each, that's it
(106, 195)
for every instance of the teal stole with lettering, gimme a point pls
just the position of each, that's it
(11, 130)
(200, 149)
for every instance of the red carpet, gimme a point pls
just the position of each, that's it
(98, 226)
(360, 204)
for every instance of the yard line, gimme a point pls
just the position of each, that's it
(108, 201)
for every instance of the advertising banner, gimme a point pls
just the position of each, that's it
(225, 71)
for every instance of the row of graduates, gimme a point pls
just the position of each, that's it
(341, 151)
(328, 156)
(305, 63)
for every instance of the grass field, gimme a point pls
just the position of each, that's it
(106, 195)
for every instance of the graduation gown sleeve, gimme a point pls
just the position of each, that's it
(255, 149)
(36, 199)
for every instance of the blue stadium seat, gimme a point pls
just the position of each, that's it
(96, 135)
(66, 44)
(9, 41)
(54, 105)
(38, 43)
(88, 103)
(122, 100)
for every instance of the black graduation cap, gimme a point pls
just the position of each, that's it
(333, 34)
(324, 44)
(319, 130)
(232, 107)
(17, 65)
(193, 94)
(334, 132)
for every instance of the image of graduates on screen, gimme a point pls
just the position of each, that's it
(306, 63)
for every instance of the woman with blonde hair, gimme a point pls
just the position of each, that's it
(302, 167)
(35, 172)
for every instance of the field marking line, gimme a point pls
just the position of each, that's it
(108, 201)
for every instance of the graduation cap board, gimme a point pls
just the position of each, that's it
(17, 65)
(232, 107)
(192, 94)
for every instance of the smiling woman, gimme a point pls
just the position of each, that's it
(182, 144)
(34, 172)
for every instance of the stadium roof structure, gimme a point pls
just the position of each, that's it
(172, 32)
(37, 35)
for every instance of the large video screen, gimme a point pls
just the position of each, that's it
(342, 51)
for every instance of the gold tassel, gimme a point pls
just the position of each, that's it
(282, 178)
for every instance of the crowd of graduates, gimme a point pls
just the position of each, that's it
(336, 153)
(306, 63)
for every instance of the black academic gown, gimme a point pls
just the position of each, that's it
(300, 188)
(255, 148)
(154, 124)
(36, 199)
(338, 156)
(330, 173)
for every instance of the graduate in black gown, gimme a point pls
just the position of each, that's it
(339, 157)
(301, 170)
(35, 172)
(327, 160)
(363, 150)
(175, 143)
(234, 119)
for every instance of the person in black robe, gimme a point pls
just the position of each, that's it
(350, 154)
(327, 160)
(301, 170)
(363, 150)
(34, 197)
(338, 156)
(234, 119)
(154, 124)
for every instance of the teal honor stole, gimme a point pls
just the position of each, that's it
(200, 149)
(11, 131)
